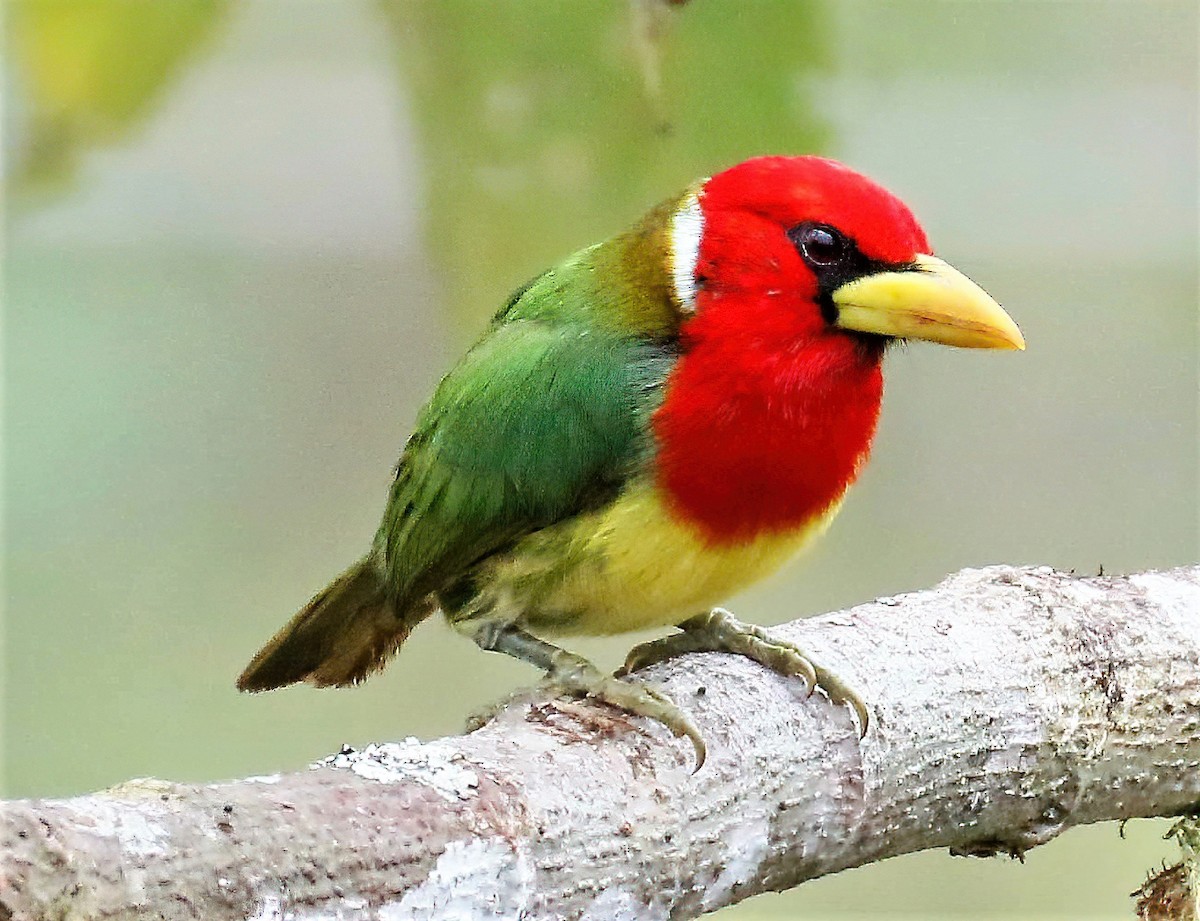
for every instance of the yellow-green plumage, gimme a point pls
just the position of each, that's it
(631, 565)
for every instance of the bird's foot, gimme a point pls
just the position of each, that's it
(566, 671)
(720, 631)
(576, 675)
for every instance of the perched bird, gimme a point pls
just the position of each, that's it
(659, 421)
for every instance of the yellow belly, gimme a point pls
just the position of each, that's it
(633, 565)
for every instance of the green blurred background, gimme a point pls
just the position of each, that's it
(245, 237)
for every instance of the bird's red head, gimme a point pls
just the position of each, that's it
(790, 274)
(787, 192)
(790, 230)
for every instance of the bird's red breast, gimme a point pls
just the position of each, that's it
(769, 414)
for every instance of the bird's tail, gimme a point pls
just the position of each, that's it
(347, 631)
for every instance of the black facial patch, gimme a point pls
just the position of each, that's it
(835, 260)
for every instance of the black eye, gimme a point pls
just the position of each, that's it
(820, 245)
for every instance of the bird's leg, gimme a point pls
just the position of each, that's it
(574, 674)
(720, 631)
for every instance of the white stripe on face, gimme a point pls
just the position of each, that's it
(687, 227)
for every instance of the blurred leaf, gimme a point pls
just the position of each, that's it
(89, 72)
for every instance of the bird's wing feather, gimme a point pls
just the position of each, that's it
(540, 421)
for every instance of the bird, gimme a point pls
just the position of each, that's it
(652, 425)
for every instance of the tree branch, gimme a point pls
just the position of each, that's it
(1008, 705)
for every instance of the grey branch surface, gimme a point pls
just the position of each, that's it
(1007, 705)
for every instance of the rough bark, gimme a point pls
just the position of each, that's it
(1007, 705)
(1173, 894)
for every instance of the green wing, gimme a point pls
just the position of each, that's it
(540, 421)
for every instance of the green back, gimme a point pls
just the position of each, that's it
(547, 416)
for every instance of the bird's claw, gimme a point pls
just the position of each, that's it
(668, 647)
(841, 693)
(719, 631)
(583, 679)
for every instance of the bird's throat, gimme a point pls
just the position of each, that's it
(754, 439)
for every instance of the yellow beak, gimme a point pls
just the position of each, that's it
(932, 301)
